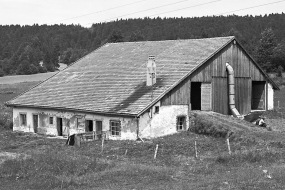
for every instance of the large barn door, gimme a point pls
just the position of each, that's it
(243, 95)
(258, 95)
(220, 95)
(206, 96)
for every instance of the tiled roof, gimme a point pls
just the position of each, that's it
(112, 79)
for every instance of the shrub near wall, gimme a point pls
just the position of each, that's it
(203, 125)
(5, 118)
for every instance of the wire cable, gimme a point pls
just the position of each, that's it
(192, 7)
(250, 7)
(143, 11)
(98, 11)
(181, 22)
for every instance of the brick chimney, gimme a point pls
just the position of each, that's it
(151, 71)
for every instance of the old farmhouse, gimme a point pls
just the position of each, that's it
(145, 89)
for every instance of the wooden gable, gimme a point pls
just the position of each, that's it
(214, 73)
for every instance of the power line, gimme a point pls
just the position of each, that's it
(181, 22)
(157, 8)
(143, 11)
(250, 7)
(98, 11)
(187, 7)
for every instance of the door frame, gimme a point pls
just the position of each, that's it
(59, 126)
(37, 126)
(254, 88)
(87, 126)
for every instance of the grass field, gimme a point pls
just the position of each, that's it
(31, 161)
(36, 162)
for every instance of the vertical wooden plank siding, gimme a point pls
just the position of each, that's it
(206, 96)
(220, 102)
(256, 75)
(214, 72)
(179, 95)
(243, 94)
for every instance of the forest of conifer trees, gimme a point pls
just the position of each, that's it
(39, 48)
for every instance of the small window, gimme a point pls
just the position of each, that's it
(115, 127)
(51, 120)
(181, 123)
(23, 119)
(156, 109)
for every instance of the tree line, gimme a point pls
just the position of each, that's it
(39, 48)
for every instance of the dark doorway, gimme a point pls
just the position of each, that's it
(258, 95)
(196, 95)
(99, 129)
(59, 126)
(88, 125)
(35, 123)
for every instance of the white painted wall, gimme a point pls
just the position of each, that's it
(270, 97)
(128, 125)
(163, 123)
(151, 124)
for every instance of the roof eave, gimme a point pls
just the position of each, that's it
(72, 109)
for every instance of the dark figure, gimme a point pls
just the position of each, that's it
(260, 122)
(71, 140)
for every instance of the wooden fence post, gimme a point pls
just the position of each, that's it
(229, 147)
(103, 139)
(155, 151)
(77, 140)
(196, 150)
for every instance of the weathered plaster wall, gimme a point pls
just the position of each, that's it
(163, 123)
(73, 122)
(270, 97)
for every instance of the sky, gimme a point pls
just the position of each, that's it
(87, 12)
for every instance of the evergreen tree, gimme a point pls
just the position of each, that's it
(47, 62)
(116, 36)
(265, 50)
(2, 73)
(136, 36)
(279, 54)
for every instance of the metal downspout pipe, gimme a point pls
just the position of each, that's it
(231, 81)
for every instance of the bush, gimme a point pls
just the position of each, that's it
(5, 120)
(206, 127)
(2, 73)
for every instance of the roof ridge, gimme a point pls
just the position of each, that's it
(188, 39)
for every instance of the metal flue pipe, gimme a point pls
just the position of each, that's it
(231, 83)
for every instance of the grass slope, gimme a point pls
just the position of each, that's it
(25, 78)
(44, 163)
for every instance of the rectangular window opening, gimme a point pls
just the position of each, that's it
(115, 127)
(51, 120)
(181, 123)
(23, 119)
(156, 109)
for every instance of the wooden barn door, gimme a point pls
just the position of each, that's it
(243, 94)
(258, 95)
(220, 95)
(206, 96)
